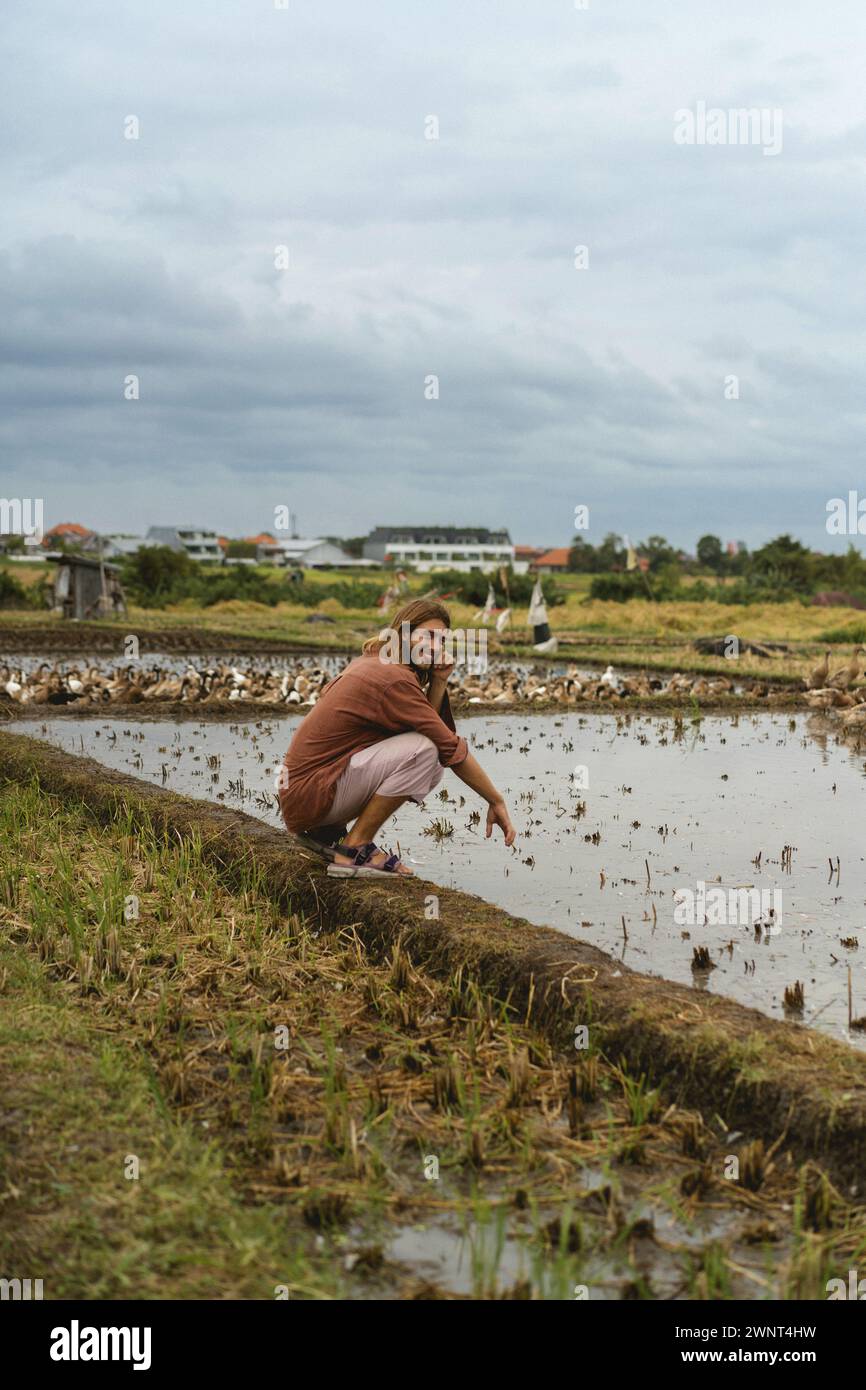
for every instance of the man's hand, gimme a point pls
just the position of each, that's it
(497, 814)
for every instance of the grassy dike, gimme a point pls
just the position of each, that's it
(402, 1040)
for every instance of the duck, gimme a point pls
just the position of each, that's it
(679, 683)
(850, 673)
(13, 684)
(828, 698)
(817, 678)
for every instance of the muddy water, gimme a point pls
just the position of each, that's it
(617, 819)
(462, 1259)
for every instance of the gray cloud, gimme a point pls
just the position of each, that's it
(408, 257)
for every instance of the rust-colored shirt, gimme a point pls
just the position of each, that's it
(367, 702)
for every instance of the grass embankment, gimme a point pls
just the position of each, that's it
(285, 1092)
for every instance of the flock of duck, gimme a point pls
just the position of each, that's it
(133, 684)
(838, 692)
(302, 682)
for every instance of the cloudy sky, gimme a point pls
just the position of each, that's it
(306, 127)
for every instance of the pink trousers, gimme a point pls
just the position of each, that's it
(404, 765)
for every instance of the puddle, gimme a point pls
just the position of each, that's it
(739, 803)
(501, 1249)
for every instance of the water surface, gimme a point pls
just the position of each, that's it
(600, 803)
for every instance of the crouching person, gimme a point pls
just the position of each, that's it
(380, 733)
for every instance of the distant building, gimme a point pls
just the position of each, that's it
(68, 533)
(115, 547)
(308, 554)
(525, 557)
(426, 548)
(199, 544)
(552, 561)
(108, 547)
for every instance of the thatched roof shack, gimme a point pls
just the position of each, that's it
(86, 588)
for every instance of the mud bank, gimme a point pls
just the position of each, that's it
(109, 638)
(782, 1082)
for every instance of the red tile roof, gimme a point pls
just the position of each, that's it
(68, 528)
(554, 557)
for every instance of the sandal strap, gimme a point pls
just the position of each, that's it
(361, 855)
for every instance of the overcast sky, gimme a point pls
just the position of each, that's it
(409, 257)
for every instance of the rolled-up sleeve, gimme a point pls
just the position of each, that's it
(405, 706)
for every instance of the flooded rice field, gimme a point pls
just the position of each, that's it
(737, 839)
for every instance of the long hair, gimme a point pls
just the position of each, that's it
(416, 612)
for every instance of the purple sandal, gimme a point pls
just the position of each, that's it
(361, 866)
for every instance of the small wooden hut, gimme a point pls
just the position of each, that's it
(87, 588)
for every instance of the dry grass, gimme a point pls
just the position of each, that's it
(288, 1091)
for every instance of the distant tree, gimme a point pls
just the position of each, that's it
(738, 563)
(241, 550)
(610, 554)
(710, 553)
(155, 571)
(582, 557)
(659, 553)
(784, 563)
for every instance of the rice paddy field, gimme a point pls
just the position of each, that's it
(653, 636)
(215, 1101)
(217, 1090)
(615, 818)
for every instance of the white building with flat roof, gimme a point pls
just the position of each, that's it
(427, 548)
(465, 558)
